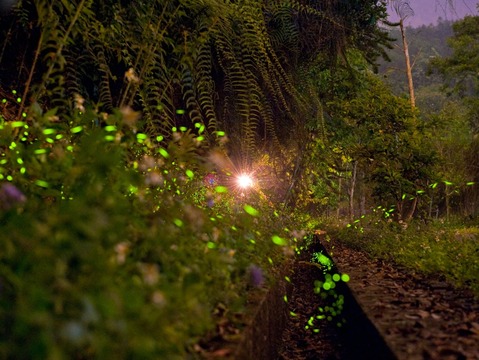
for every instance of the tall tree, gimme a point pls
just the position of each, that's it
(404, 10)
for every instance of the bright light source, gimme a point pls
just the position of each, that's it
(244, 181)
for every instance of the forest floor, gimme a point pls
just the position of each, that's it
(418, 316)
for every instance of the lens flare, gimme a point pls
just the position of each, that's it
(244, 181)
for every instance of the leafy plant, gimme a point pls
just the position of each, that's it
(107, 247)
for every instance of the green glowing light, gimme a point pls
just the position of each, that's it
(279, 240)
(190, 174)
(201, 129)
(211, 245)
(316, 331)
(141, 137)
(23, 170)
(200, 138)
(14, 92)
(59, 137)
(4, 101)
(24, 114)
(49, 140)
(287, 279)
(323, 259)
(110, 128)
(76, 129)
(178, 222)
(447, 182)
(345, 277)
(183, 128)
(470, 183)
(9, 177)
(159, 138)
(293, 314)
(19, 99)
(285, 298)
(174, 129)
(49, 131)
(220, 133)
(221, 189)
(270, 260)
(251, 210)
(20, 161)
(252, 241)
(15, 124)
(180, 112)
(163, 153)
(336, 277)
(327, 286)
(70, 148)
(42, 183)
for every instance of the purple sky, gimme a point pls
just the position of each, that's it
(428, 11)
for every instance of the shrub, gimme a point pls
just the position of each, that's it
(112, 244)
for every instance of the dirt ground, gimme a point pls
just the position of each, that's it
(418, 316)
(384, 312)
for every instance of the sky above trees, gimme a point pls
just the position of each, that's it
(428, 11)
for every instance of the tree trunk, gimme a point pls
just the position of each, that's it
(408, 65)
(351, 190)
(448, 206)
(338, 210)
(408, 216)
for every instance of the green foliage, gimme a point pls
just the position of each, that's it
(463, 63)
(449, 250)
(114, 249)
(230, 65)
(459, 70)
(373, 142)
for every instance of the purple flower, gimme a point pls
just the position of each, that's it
(255, 276)
(210, 180)
(10, 196)
(210, 203)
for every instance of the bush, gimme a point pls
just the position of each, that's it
(113, 245)
(440, 248)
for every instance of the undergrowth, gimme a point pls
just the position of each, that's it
(448, 249)
(118, 244)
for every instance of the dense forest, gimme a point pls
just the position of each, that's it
(445, 101)
(125, 125)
